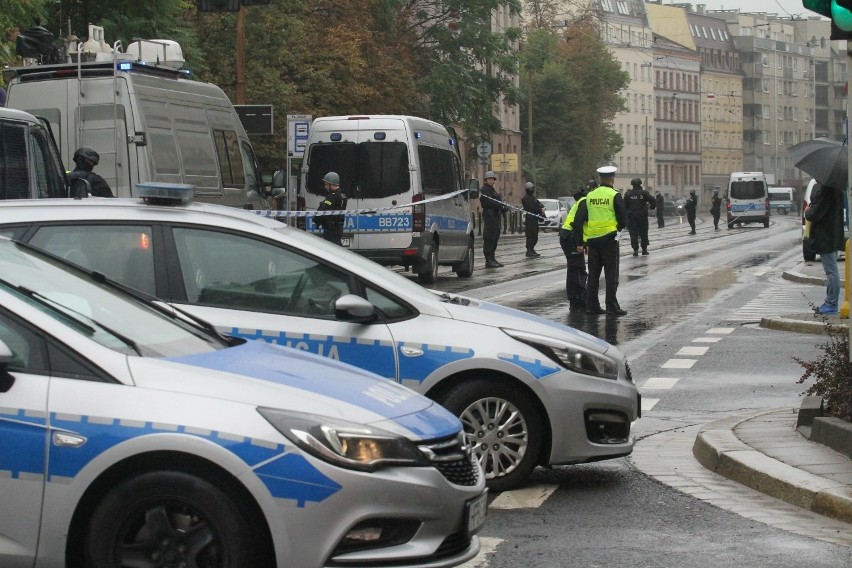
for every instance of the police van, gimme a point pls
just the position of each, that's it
(146, 119)
(748, 199)
(405, 186)
(781, 199)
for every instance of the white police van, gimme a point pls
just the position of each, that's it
(748, 199)
(146, 119)
(404, 181)
(132, 436)
(530, 391)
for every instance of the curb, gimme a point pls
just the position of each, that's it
(718, 449)
(804, 278)
(801, 326)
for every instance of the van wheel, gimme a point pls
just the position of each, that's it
(782, 211)
(465, 268)
(766, 224)
(169, 515)
(429, 268)
(502, 426)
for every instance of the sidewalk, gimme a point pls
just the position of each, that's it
(766, 452)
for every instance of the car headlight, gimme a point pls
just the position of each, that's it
(572, 357)
(345, 444)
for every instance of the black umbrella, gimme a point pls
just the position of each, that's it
(827, 161)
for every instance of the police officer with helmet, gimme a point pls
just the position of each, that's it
(533, 210)
(596, 224)
(85, 160)
(335, 200)
(492, 207)
(638, 201)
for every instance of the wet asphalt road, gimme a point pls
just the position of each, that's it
(610, 513)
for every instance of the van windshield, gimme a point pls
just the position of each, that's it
(747, 190)
(369, 170)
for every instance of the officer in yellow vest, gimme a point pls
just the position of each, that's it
(575, 274)
(596, 224)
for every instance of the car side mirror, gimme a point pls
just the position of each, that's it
(352, 308)
(279, 180)
(473, 188)
(80, 188)
(6, 379)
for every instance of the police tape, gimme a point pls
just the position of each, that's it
(371, 210)
(375, 210)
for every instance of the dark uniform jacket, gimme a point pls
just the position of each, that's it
(825, 213)
(334, 201)
(493, 206)
(661, 204)
(638, 201)
(531, 204)
(98, 185)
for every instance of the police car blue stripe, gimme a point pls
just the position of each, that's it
(291, 477)
(536, 367)
(371, 355)
(434, 357)
(23, 444)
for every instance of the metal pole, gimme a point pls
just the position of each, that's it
(847, 261)
(647, 135)
(241, 58)
(530, 125)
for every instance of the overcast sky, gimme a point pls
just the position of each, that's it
(780, 7)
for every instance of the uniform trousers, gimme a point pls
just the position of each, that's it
(490, 232)
(575, 273)
(637, 225)
(603, 256)
(531, 231)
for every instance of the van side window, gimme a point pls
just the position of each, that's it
(230, 158)
(252, 170)
(14, 166)
(48, 169)
(437, 170)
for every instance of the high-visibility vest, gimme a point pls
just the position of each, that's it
(569, 219)
(600, 206)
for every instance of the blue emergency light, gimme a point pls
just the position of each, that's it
(125, 66)
(336, 136)
(165, 193)
(379, 135)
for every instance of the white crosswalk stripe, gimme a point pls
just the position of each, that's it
(776, 299)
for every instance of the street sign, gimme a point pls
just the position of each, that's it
(298, 128)
(256, 119)
(483, 150)
(504, 163)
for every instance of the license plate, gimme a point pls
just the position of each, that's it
(475, 512)
(344, 242)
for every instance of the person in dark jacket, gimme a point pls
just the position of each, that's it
(599, 219)
(691, 207)
(661, 208)
(826, 237)
(638, 201)
(716, 208)
(575, 271)
(492, 207)
(335, 200)
(85, 160)
(533, 211)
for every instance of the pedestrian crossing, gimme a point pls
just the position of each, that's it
(777, 299)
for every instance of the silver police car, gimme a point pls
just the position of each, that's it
(528, 390)
(132, 436)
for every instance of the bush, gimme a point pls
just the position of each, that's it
(832, 375)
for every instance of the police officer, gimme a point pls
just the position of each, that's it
(661, 208)
(492, 207)
(335, 200)
(638, 202)
(691, 206)
(533, 210)
(85, 160)
(596, 224)
(716, 208)
(575, 273)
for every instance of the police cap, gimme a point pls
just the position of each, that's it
(607, 170)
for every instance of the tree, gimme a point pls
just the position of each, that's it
(572, 84)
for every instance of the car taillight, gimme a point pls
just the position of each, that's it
(419, 214)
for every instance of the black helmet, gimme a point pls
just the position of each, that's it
(87, 153)
(636, 182)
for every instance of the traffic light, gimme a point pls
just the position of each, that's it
(840, 12)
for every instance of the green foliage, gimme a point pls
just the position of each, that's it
(18, 15)
(572, 83)
(831, 375)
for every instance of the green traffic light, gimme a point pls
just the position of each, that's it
(841, 15)
(822, 7)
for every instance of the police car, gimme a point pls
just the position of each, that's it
(130, 436)
(529, 391)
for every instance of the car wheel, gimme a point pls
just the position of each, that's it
(502, 426)
(782, 211)
(429, 268)
(465, 268)
(807, 253)
(169, 519)
(766, 224)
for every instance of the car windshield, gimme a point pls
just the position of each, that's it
(109, 317)
(747, 190)
(550, 205)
